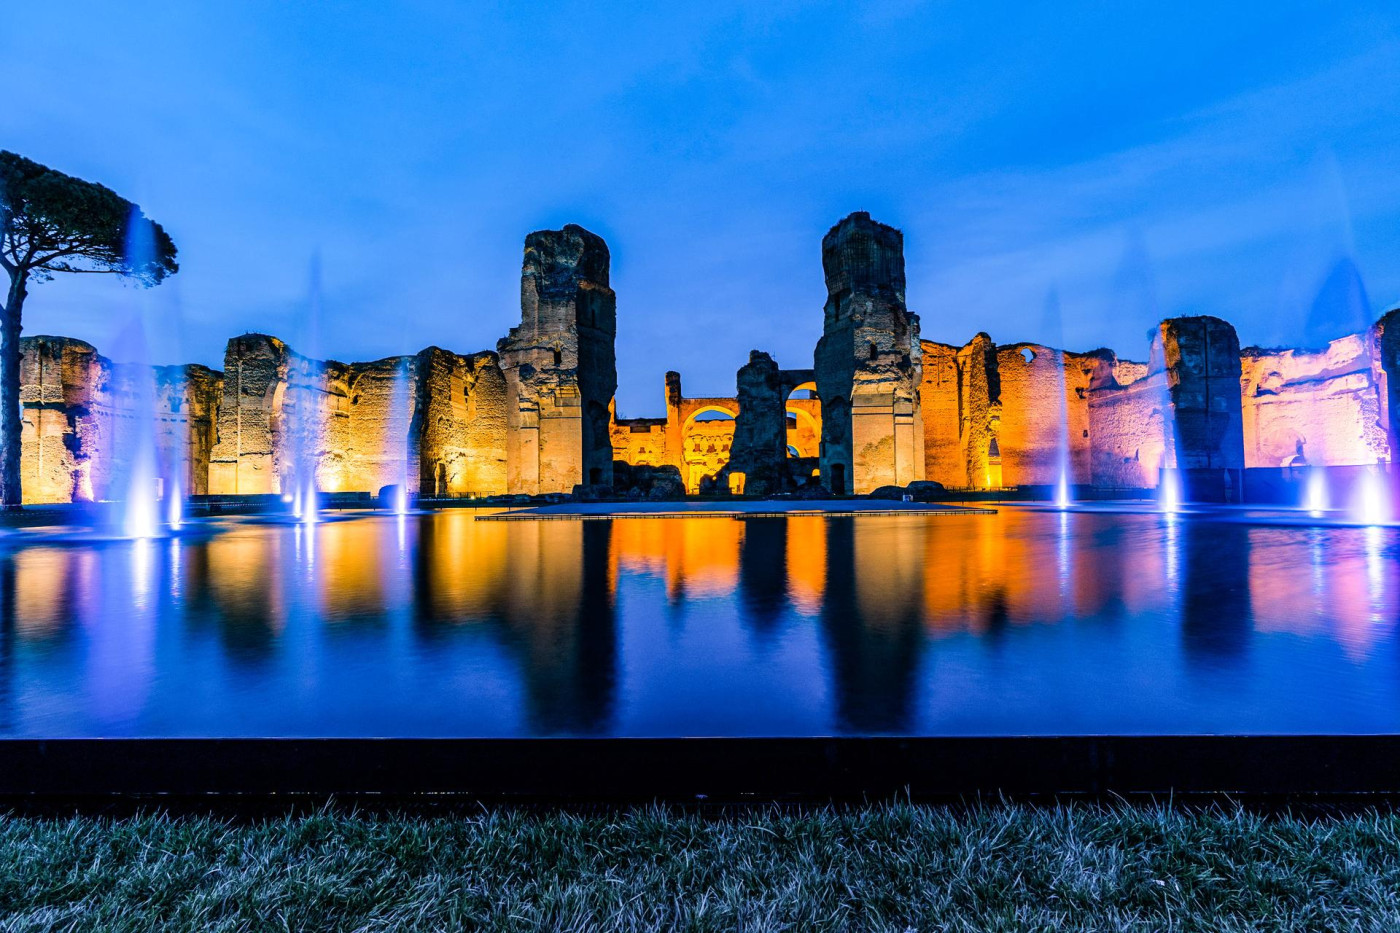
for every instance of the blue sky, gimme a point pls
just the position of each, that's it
(1063, 172)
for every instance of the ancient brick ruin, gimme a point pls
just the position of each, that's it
(559, 365)
(868, 361)
(878, 406)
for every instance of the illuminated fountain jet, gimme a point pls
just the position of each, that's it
(402, 405)
(1371, 503)
(1169, 492)
(1315, 495)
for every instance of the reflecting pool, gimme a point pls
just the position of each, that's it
(439, 624)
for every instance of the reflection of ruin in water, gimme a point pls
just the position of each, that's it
(881, 605)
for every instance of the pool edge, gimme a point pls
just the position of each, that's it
(703, 769)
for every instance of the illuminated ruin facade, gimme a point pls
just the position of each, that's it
(877, 407)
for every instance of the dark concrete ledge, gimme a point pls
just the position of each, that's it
(730, 508)
(690, 770)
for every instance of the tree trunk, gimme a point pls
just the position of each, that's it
(10, 428)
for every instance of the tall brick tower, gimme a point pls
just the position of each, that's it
(560, 365)
(868, 362)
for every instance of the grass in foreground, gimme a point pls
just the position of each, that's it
(893, 867)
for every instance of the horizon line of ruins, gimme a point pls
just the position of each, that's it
(878, 406)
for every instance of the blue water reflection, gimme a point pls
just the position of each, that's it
(436, 624)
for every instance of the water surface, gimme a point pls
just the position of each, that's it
(1024, 622)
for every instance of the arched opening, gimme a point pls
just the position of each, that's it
(706, 437)
(804, 421)
(1027, 354)
(994, 480)
(804, 432)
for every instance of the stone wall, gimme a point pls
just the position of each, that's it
(244, 457)
(759, 450)
(559, 365)
(979, 385)
(435, 422)
(997, 416)
(705, 450)
(1386, 346)
(1044, 411)
(868, 361)
(1314, 406)
(60, 382)
(698, 435)
(369, 444)
(1128, 436)
(804, 426)
(461, 401)
(187, 407)
(84, 419)
(640, 441)
(940, 399)
(1201, 356)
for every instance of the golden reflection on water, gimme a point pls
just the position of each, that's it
(873, 603)
(357, 562)
(805, 559)
(697, 557)
(945, 575)
(50, 588)
(242, 576)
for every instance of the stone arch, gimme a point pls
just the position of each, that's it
(728, 412)
(994, 474)
(803, 408)
(706, 442)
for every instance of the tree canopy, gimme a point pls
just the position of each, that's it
(51, 222)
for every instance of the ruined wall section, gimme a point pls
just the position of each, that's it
(461, 401)
(1128, 404)
(560, 366)
(979, 387)
(187, 406)
(940, 403)
(1314, 407)
(868, 361)
(287, 421)
(60, 381)
(1044, 421)
(372, 409)
(245, 457)
(759, 447)
(1385, 351)
(84, 417)
(641, 442)
(1202, 360)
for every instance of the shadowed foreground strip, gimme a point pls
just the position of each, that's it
(892, 867)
